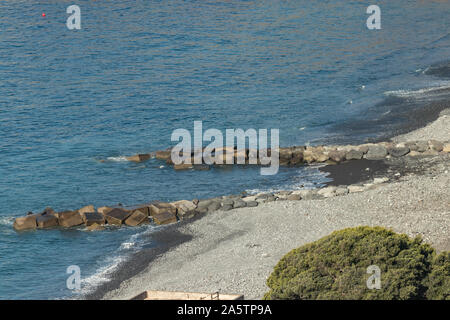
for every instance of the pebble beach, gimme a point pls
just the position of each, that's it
(235, 251)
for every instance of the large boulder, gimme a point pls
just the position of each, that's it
(163, 154)
(46, 221)
(297, 155)
(145, 210)
(104, 210)
(93, 217)
(69, 219)
(398, 151)
(117, 216)
(136, 218)
(241, 156)
(285, 156)
(337, 156)
(421, 146)
(354, 154)
(25, 223)
(164, 217)
(184, 207)
(85, 209)
(315, 154)
(436, 145)
(139, 157)
(159, 207)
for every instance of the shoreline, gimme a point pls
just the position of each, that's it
(185, 233)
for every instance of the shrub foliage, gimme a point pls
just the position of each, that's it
(335, 267)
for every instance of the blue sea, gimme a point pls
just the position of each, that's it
(137, 70)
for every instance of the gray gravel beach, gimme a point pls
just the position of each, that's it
(235, 251)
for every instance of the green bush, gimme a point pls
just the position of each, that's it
(335, 267)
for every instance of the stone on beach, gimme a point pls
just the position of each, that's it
(252, 203)
(285, 156)
(436, 145)
(117, 216)
(215, 205)
(294, 197)
(446, 148)
(355, 188)
(297, 155)
(136, 218)
(70, 219)
(25, 223)
(336, 156)
(239, 204)
(315, 154)
(354, 155)
(184, 207)
(327, 192)
(398, 151)
(376, 152)
(241, 156)
(421, 146)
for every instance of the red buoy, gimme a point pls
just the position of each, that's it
(43, 14)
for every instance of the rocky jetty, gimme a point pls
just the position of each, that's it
(299, 155)
(161, 213)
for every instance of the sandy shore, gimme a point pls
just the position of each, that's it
(235, 251)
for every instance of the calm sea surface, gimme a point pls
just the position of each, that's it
(137, 70)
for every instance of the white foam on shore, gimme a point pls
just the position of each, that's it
(309, 177)
(117, 159)
(441, 89)
(6, 221)
(112, 263)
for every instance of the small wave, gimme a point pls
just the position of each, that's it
(6, 221)
(420, 93)
(117, 159)
(112, 263)
(309, 177)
